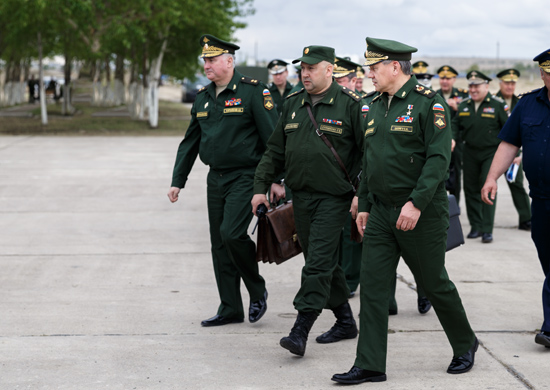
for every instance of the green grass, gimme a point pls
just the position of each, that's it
(173, 121)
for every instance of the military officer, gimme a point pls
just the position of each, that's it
(528, 127)
(280, 87)
(403, 209)
(508, 79)
(231, 121)
(359, 84)
(478, 123)
(345, 74)
(420, 70)
(453, 97)
(321, 192)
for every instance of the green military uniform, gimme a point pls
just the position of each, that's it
(407, 152)
(229, 133)
(277, 67)
(321, 193)
(479, 130)
(447, 71)
(277, 97)
(519, 195)
(299, 85)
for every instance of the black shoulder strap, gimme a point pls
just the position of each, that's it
(327, 142)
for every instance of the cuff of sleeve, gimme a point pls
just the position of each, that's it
(261, 188)
(418, 202)
(364, 206)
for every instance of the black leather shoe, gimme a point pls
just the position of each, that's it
(220, 320)
(473, 234)
(257, 309)
(465, 362)
(487, 238)
(424, 305)
(358, 375)
(543, 338)
(525, 226)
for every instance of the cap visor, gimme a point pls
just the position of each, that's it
(307, 60)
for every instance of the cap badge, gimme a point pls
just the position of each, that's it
(306, 50)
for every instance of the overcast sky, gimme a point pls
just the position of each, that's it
(462, 28)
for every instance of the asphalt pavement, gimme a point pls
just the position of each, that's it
(104, 283)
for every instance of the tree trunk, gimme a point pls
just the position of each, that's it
(155, 77)
(43, 110)
(67, 108)
(120, 92)
(96, 98)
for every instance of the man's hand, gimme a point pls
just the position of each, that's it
(257, 200)
(489, 191)
(277, 192)
(453, 144)
(517, 160)
(408, 218)
(361, 222)
(453, 103)
(173, 193)
(354, 207)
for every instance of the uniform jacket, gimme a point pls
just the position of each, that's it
(228, 132)
(529, 128)
(296, 148)
(479, 129)
(277, 98)
(407, 148)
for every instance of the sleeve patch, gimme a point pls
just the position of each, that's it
(439, 120)
(268, 102)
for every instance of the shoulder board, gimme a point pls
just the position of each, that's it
(295, 93)
(462, 90)
(351, 93)
(425, 91)
(248, 80)
(498, 99)
(371, 93)
(202, 89)
(528, 92)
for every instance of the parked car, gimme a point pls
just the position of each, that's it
(189, 88)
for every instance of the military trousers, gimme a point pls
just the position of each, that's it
(233, 252)
(476, 166)
(350, 255)
(423, 250)
(540, 231)
(319, 221)
(520, 196)
(456, 160)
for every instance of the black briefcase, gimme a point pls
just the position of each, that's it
(455, 237)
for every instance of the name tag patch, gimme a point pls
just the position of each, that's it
(463, 114)
(402, 129)
(330, 129)
(370, 130)
(487, 115)
(232, 110)
(202, 114)
(290, 126)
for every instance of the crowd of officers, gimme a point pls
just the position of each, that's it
(408, 145)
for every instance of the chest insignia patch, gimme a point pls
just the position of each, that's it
(365, 108)
(439, 120)
(293, 115)
(332, 122)
(466, 109)
(233, 102)
(206, 105)
(404, 119)
(438, 107)
(489, 110)
(409, 109)
(266, 92)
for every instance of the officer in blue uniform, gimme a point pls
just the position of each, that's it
(529, 127)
